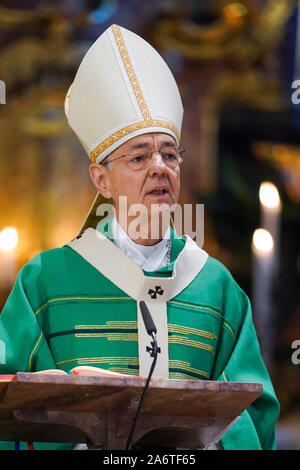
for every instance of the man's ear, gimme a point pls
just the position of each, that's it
(100, 177)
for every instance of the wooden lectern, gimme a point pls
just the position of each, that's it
(188, 414)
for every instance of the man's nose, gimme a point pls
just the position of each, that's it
(157, 164)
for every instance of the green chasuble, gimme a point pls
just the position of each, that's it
(63, 312)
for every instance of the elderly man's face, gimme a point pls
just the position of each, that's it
(156, 184)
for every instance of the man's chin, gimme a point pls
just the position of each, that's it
(157, 209)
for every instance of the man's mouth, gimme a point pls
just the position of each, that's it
(158, 192)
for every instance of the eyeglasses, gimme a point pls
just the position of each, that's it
(139, 161)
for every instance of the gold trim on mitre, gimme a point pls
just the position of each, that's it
(147, 122)
(128, 130)
(130, 72)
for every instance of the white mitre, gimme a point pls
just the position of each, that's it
(123, 88)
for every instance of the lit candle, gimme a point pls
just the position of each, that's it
(270, 215)
(8, 243)
(262, 289)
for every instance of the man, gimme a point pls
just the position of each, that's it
(79, 304)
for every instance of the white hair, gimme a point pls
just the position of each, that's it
(106, 162)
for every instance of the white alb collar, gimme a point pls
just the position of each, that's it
(149, 258)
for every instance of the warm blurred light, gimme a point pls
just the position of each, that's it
(269, 195)
(8, 239)
(282, 153)
(263, 241)
(235, 13)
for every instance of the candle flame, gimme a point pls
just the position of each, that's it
(269, 195)
(263, 241)
(8, 239)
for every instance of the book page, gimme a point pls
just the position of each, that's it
(90, 370)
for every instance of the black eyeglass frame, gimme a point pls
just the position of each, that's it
(180, 156)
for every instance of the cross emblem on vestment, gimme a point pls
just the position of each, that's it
(153, 293)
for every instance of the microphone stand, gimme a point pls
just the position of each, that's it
(153, 351)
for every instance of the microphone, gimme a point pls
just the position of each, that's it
(154, 350)
(148, 320)
(151, 329)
